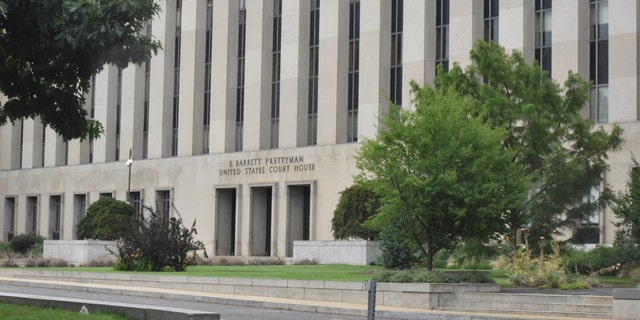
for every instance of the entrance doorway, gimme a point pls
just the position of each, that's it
(299, 213)
(225, 239)
(261, 213)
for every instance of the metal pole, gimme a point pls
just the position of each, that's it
(370, 285)
(129, 184)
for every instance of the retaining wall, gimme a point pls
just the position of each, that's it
(79, 252)
(411, 295)
(352, 252)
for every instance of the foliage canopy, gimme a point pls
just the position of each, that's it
(442, 174)
(563, 153)
(627, 209)
(356, 205)
(50, 49)
(106, 219)
(492, 148)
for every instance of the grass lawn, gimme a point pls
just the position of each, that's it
(328, 272)
(617, 281)
(21, 312)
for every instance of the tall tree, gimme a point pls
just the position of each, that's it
(627, 209)
(50, 49)
(442, 174)
(563, 153)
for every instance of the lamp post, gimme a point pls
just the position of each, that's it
(129, 164)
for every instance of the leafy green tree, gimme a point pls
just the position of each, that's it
(356, 205)
(563, 154)
(106, 219)
(50, 49)
(626, 207)
(442, 174)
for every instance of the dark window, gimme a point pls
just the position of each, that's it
(92, 114)
(136, 202)
(145, 117)
(118, 114)
(314, 41)
(176, 80)
(206, 110)
(275, 72)
(543, 35)
(599, 60)
(55, 216)
(491, 21)
(442, 34)
(79, 209)
(395, 85)
(242, 24)
(43, 145)
(354, 71)
(32, 215)
(10, 217)
(163, 203)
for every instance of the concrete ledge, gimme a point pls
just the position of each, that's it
(79, 252)
(626, 304)
(353, 252)
(131, 311)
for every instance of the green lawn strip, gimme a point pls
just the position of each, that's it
(617, 281)
(325, 272)
(21, 312)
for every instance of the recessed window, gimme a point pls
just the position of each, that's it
(395, 85)
(314, 45)
(275, 72)
(176, 80)
(442, 34)
(242, 32)
(491, 22)
(206, 110)
(354, 71)
(599, 60)
(543, 34)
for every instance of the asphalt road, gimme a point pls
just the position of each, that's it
(227, 312)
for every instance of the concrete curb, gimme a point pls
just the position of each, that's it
(131, 311)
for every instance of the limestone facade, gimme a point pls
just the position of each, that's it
(256, 179)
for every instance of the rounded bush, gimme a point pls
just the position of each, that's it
(22, 243)
(106, 219)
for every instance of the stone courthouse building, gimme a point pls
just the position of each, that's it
(249, 118)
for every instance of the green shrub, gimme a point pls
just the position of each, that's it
(604, 260)
(356, 205)
(158, 243)
(22, 243)
(5, 249)
(106, 219)
(545, 271)
(397, 251)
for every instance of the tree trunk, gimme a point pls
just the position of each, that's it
(430, 252)
(513, 240)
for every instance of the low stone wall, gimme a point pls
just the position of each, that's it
(411, 295)
(626, 304)
(79, 252)
(356, 252)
